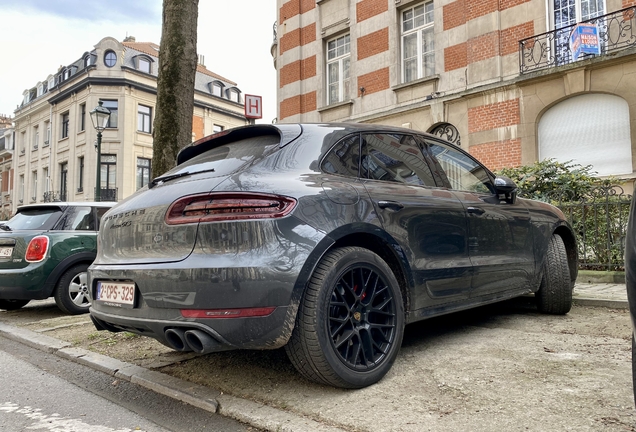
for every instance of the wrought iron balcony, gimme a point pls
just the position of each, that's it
(108, 194)
(54, 196)
(616, 31)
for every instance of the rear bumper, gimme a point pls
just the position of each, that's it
(28, 283)
(267, 332)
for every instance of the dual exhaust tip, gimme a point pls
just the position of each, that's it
(195, 340)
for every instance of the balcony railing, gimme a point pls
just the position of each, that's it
(617, 31)
(54, 196)
(108, 194)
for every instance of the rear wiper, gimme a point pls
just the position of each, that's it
(155, 181)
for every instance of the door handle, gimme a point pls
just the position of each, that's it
(393, 205)
(476, 210)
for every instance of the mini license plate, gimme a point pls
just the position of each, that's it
(118, 294)
(5, 252)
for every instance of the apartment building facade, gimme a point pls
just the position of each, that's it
(497, 77)
(55, 157)
(7, 136)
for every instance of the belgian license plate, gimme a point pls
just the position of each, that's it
(119, 294)
(5, 252)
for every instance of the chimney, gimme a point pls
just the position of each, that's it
(130, 39)
(201, 60)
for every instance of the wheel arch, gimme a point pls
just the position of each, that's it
(366, 236)
(64, 265)
(569, 239)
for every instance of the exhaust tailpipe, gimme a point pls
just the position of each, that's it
(176, 339)
(201, 342)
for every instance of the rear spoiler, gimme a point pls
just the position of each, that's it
(287, 133)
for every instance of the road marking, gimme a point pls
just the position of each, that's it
(55, 422)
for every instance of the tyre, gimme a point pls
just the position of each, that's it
(555, 293)
(12, 304)
(71, 292)
(634, 366)
(350, 321)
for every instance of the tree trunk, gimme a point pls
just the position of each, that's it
(175, 83)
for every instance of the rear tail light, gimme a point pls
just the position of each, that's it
(37, 249)
(224, 206)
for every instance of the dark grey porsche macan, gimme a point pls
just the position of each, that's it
(323, 238)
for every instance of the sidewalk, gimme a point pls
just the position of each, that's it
(259, 415)
(612, 295)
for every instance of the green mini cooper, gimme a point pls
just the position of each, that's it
(45, 250)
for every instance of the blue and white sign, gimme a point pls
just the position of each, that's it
(584, 40)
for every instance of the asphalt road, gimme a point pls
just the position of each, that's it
(41, 391)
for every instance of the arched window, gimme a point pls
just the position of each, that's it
(448, 132)
(234, 94)
(590, 129)
(216, 88)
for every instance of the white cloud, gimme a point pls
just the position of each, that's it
(235, 40)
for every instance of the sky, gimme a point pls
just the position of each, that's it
(39, 36)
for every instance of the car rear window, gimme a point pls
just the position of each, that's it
(34, 219)
(230, 158)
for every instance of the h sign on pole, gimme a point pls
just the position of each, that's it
(253, 106)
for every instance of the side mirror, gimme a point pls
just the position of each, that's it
(506, 189)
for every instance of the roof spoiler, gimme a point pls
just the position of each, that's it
(287, 133)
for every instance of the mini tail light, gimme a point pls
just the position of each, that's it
(37, 249)
(224, 206)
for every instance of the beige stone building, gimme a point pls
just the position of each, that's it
(7, 136)
(498, 77)
(55, 155)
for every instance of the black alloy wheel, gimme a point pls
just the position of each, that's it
(350, 321)
(362, 318)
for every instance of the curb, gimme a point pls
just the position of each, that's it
(599, 302)
(255, 414)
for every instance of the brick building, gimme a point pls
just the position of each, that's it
(497, 77)
(54, 153)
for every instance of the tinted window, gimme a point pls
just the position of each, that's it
(344, 157)
(459, 171)
(35, 219)
(79, 219)
(230, 158)
(395, 158)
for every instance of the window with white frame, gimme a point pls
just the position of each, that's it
(64, 125)
(112, 106)
(216, 88)
(144, 114)
(338, 62)
(80, 174)
(569, 12)
(36, 137)
(418, 42)
(47, 126)
(34, 186)
(21, 188)
(217, 128)
(143, 172)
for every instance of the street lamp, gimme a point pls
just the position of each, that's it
(99, 117)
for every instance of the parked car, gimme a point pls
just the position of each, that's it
(630, 279)
(323, 238)
(45, 250)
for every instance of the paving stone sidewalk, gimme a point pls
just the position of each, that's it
(612, 295)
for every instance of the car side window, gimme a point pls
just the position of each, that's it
(80, 219)
(395, 158)
(459, 170)
(343, 158)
